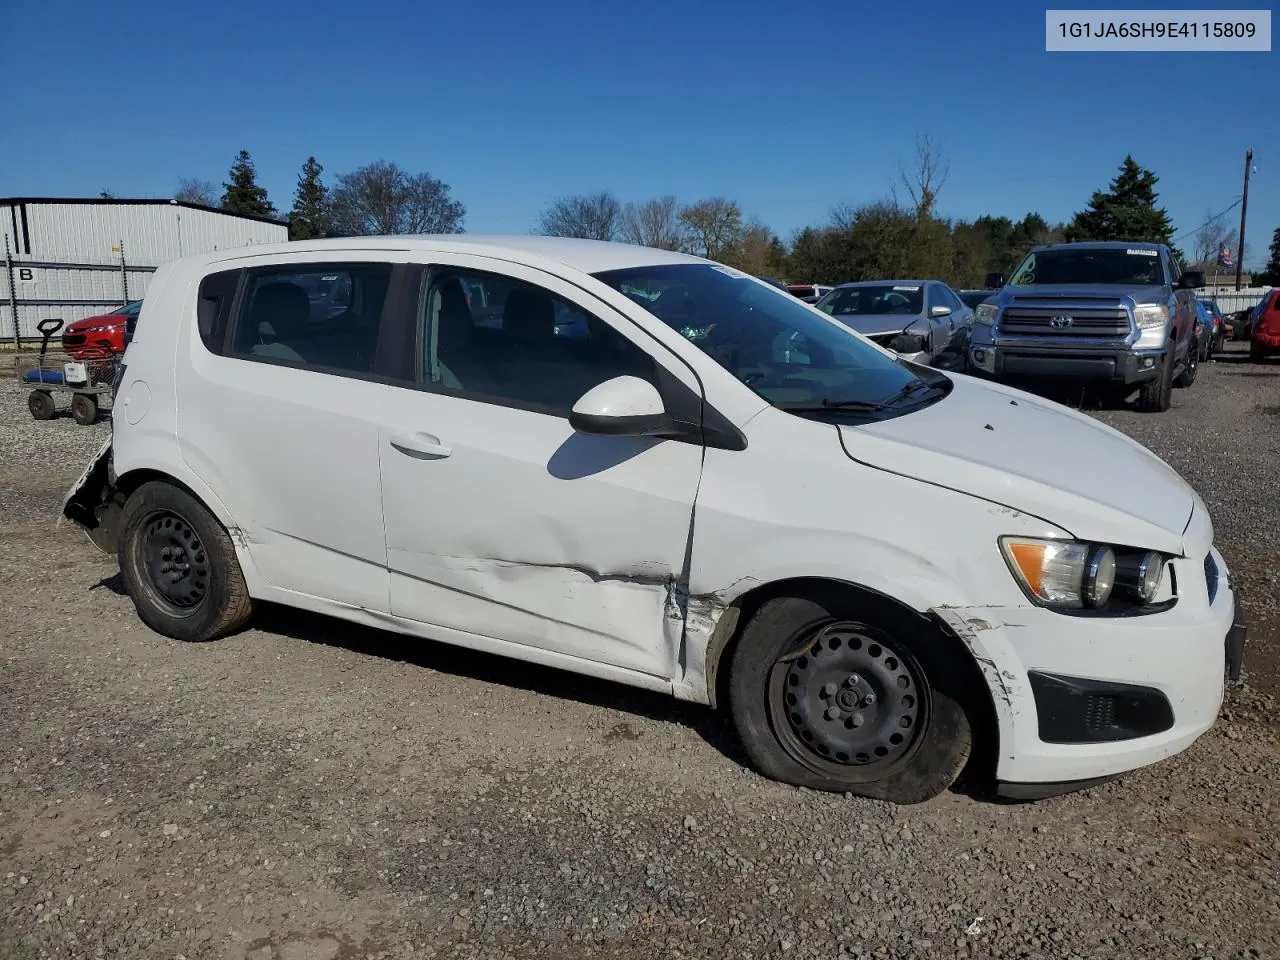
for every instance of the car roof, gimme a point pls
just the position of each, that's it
(881, 283)
(588, 256)
(1101, 245)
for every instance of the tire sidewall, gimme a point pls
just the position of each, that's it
(203, 621)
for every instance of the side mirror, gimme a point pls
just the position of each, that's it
(941, 310)
(907, 343)
(623, 407)
(1191, 280)
(995, 281)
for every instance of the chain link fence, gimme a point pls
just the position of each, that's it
(36, 290)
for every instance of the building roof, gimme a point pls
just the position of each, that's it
(136, 202)
(588, 256)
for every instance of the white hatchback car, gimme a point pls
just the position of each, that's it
(615, 460)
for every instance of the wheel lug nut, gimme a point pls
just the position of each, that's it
(869, 700)
(852, 680)
(829, 690)
(857, 719)
(833, 713)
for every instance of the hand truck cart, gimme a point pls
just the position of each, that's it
(59, 375)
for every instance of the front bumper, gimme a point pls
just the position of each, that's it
(1180, 658)
(1035, 361)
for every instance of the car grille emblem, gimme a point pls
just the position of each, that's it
(1060, 322)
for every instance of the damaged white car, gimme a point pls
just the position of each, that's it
(656, 470)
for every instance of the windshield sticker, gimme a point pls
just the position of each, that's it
(727, 271)
(907, 289)
(1143, 253)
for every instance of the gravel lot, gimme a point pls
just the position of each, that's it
(308, 789)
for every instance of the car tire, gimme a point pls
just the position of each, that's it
(41, 405)
(1156, 396)
(1256, 353)
(850, 695)
(179, 565)
(84, 407)
(1190, 367)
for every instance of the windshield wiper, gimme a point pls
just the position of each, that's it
(827, 405)
(907, 391)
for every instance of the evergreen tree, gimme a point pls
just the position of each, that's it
(1270, 276)
(311, 216)
(242, 194)
(1127, 211)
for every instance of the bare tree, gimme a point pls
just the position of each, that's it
(757, 252)
(1211, 238)
(593, 216)
(925, 181)
(195, 190)
(381, 198)
(654, 223)
(715, 226)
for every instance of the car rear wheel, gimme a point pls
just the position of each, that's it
(179, 565)
(836, 694)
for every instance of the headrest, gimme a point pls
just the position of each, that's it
(280, 310)
(529, 315)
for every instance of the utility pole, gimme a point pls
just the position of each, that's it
(1244, 209)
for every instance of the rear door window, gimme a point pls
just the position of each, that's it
(324, 317)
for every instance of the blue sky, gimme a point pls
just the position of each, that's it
(788, 108)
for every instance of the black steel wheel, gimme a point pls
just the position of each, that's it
(850, 698)
(41, 405)
(838, 690)
(176, 563)
(179, 565)
(84, 407)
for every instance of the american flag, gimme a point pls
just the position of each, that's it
(1224, 257)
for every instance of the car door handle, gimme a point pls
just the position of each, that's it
(422, 446)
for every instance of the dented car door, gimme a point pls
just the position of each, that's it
(504, 522)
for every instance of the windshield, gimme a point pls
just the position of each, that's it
(1132, 267)
(884, 298)
(775, 344)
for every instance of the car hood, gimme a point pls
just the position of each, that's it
(873, 325)
(1066, 291)
(103, 320)
(1036, 457)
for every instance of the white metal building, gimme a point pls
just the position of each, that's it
(71, 258)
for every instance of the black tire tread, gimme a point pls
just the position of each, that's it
(1155, 396)
(229, 607)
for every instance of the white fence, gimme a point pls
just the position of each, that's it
(1229, 299)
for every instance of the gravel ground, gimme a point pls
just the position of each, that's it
(308, 789)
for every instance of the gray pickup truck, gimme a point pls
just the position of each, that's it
(1120, 314)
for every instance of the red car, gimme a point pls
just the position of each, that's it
(1264, 328)
(101, 337)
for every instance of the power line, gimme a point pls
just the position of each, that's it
(1207, 222)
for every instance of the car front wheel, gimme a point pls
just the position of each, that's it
(836, 694)
(179, 565)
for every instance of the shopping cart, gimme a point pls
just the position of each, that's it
(58, 375)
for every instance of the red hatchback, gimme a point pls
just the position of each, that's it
(101, 337)
(1264, 330)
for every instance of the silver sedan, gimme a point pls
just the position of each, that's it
(923, 320)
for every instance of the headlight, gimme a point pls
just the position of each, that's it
(986, 313)
(1062, 573)
(1151, 315)
(1153, 324)
(1139, 574)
